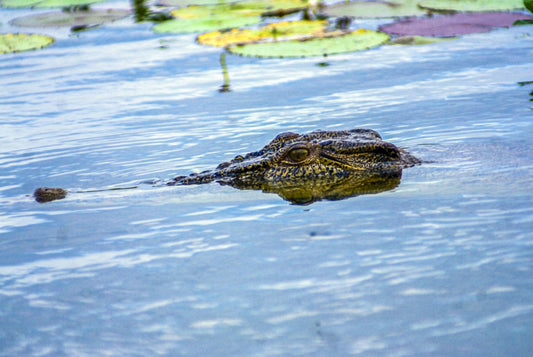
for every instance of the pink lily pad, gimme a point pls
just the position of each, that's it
(453, 25)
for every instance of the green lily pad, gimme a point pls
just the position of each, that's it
(46, 3)
(244, 8)
(317, 46)
(23, 42)
(471, 5)
(380, 9)
(418, 40)
(276, 30)
(523, 22)
(205, 24)
(70, 19)
(185, 3)
(222, 16)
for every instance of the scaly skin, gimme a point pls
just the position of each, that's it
(305, 168)
(320, 155)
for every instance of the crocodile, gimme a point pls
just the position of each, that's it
(304, 168)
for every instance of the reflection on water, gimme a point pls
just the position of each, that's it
(302, 193)
(143, 12)
(226, 86)
(438, 265)
(323, 189)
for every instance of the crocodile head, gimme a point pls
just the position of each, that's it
(321, 164)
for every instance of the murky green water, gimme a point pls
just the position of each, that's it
(441, 265)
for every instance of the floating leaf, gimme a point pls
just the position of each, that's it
(317, 46)
(46, 3)
(523, 22)
(244, 8)
(366, 9)
(18, 3)
(471, 5)
(184, 3)
(453, 25)
(205, 24)
(70, 19)
(23, 42)
(200, 12)
(277, 30)
(418, 40)
(221, 16)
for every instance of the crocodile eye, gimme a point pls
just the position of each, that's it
(299, 154)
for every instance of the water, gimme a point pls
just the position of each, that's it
(440, 265)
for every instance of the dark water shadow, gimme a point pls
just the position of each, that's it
(310, 191)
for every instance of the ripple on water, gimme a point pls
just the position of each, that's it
(438, 265)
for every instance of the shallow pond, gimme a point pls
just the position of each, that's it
(441, 265)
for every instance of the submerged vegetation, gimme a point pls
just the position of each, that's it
(313, 29)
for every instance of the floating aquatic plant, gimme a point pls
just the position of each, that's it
(453, 25)
(23, 42)
(380, 9)
(293, 39)
(223, 15)
(315, 46)
(471, 5)
(418, 40)
(275, 31)
(209, 23)
(184, 3)
(528, 5)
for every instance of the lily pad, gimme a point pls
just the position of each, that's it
(205, 24)
(244, 8)
(418, 40)
(277, 30)
(471, 5)
(453, 25)
(378, 9)
(523, 22)
(23, 42)
(316, 46)
(46, 3)
(222, 16)
(70, 19)
(184, 3)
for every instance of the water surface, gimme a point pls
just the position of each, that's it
(440, 265)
